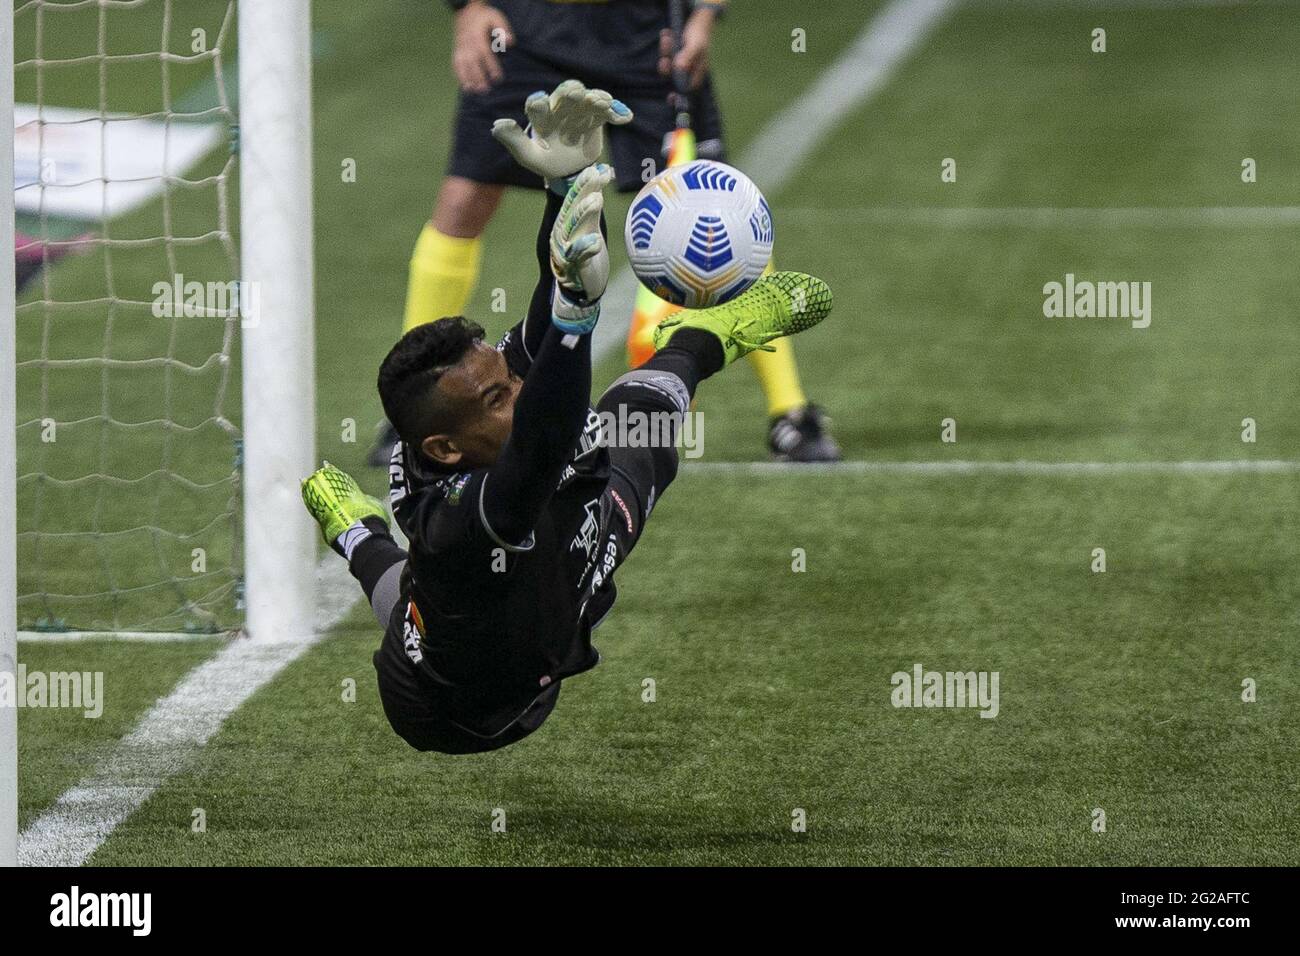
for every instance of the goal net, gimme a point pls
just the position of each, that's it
(133, 305)
(127, 454)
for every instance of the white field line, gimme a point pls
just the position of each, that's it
(138, 637)
(1045, 217)
(172, 731)
(1022, 467)
(794, 133)
(1122, 5)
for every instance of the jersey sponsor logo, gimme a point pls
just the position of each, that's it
(627, 515)
(412, 632)
(585, 539)
(608, 562)
(569, 472)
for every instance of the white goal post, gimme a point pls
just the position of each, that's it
(276, 434)
(279, 348)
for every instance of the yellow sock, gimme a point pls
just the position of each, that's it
(443, 273)
(778, 373)
(779, 376)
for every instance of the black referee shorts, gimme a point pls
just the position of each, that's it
(611, 46)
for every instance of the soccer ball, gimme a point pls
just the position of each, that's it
(699, 234)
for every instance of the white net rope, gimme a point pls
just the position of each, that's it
(128, 492)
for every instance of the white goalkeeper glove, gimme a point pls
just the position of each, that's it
(565, 131)
(579, 257)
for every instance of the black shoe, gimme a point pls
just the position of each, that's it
(383, 450)
(802, 435)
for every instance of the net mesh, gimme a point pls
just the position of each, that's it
(128, 491)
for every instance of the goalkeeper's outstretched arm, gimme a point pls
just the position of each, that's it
(550, 413)
(573, 263)
(551, 410)
(537, 321)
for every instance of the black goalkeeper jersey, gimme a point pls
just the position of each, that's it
(490, 624)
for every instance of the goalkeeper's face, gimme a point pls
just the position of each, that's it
(475, 401)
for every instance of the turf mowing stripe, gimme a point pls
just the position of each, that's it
(1047, 217)
(792, 135)
(960, 467)
(173, 730)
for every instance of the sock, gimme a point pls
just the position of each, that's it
(387, 593)
(370, 551)
(691, 354)
(779, 376)
(442, 276)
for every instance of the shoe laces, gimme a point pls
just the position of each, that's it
(737, 339)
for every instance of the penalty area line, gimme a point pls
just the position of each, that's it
(966, 467)
(169, 735)
(135, 637)
(1047, 217)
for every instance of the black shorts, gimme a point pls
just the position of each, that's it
(610, 46)
(418, 706)
(413, 704)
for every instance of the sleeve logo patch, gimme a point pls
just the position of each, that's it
(456, 487)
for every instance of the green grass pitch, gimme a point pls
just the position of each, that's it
(1119, 691)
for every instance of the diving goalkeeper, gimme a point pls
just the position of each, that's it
(516, 510)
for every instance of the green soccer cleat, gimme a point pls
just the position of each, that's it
(336, 501)
(782, 303)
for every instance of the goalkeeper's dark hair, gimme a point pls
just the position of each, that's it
(413, 367)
